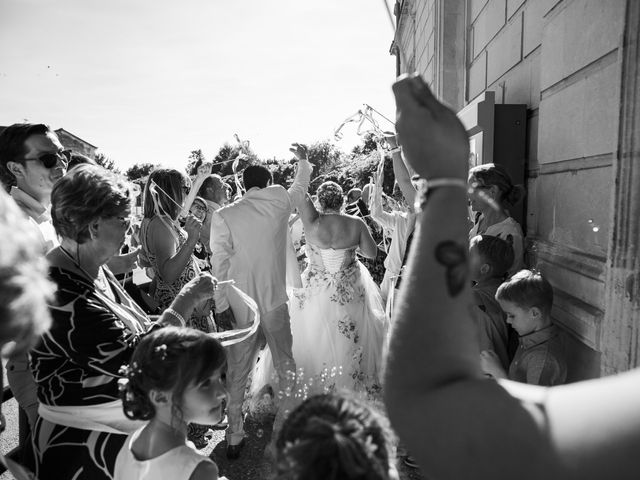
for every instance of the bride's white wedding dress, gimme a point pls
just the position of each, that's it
(338, 324)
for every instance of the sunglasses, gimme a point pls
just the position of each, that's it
(50, 160)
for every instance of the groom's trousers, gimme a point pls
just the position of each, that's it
(276, 327)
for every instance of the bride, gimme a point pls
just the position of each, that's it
(337, 318)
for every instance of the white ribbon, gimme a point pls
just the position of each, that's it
(237, 335)
(103, 417)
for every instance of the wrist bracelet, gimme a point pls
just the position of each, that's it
(175, 314)
(395, 150)
(423, 187)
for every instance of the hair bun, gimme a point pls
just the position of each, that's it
(515, 194)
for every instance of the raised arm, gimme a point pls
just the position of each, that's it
(367, 246)
(298, 189)
(222, 250)
(171, 259)
(385, 219)
(401, 171)
(308, 213)
(203, 172)
(456, 423)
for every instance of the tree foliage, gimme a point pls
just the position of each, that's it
(196, 158)
(105, 162)
(140, 170)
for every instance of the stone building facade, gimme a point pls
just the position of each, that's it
(77, 144)
(574, 64)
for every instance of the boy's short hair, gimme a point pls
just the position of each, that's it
(498, 253)
(527, 289)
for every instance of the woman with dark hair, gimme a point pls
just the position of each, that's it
(493, 194)
(337, 319)
(95, 328)
(169, 249)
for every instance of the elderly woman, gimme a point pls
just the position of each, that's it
(95, 328)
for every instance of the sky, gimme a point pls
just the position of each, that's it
(148, 81)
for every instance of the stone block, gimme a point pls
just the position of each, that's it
(475, 6)
(488, 24)
(579, 34)
(477, 81)
(522, 83)
(505, 51)
(532, 212)
(429, 75)
(580, 120)
(573, 212)
(532, 28)
(514, 5)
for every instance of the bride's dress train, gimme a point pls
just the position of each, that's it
(338, 324)
(339, 329)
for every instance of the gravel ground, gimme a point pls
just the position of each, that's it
(252, 465)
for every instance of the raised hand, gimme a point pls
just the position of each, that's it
(391, 139)
(199, 288)
(193, 226)
(204, 170)
(299, 150)
(124, 263)
(433, 140)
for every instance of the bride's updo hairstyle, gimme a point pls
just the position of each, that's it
(167, 359)
(330, 196)
(333, 437)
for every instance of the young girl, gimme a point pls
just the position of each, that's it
(173, 379)
(334, 437)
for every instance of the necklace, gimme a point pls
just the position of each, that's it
(99, 281)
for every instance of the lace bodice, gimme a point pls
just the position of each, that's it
(331, 260)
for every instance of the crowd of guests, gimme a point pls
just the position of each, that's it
(113, 392)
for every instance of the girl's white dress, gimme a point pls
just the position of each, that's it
(176, 464)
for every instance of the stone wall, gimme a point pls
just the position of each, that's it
(562, 58)
(76, 144)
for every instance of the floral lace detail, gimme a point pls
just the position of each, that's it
(343, 284)
(347, 327)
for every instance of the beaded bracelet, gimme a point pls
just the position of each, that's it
(423, 187)
(175, 314)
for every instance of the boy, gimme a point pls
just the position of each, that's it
(527, 298)
(489, 260)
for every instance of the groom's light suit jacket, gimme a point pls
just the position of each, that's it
(249, 241)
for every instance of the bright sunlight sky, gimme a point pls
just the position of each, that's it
(151, 80)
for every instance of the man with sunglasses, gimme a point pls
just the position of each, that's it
(32, 160)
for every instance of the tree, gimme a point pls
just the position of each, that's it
(196, 158)
(326, 159)
(368, 145)
(140, 170)
(105, 162)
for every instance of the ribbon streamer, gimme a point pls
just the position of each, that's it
(237, 335)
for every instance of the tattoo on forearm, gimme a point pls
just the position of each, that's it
(454, 257)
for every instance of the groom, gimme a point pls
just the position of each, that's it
(248, 241)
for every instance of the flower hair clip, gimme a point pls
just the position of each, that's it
(162, 351)
(128, 372)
